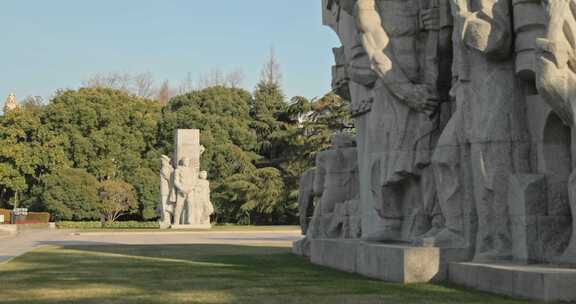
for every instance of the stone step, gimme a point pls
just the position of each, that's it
(389, 262)
(535, 282)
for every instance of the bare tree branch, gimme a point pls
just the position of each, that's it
(235, 78)
(144, 85)
(271, 73)
(165, 93)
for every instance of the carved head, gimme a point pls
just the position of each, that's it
(203, 175)
(166, 161)
(343, 140)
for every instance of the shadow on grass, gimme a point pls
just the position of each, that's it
(201, 274)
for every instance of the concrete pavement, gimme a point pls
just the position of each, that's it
(29, 240)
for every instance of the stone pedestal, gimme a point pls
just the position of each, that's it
(338, 254)
(301, 247)
(389, 262)
(535, 282)
(199, 226)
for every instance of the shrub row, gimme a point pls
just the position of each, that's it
(78, 225)
(115, 225)
(132, 225)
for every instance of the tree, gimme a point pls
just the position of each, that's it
(144, 85)
(112, 135)
(270, 73)
(146, 184)
(216, 77)
(235, 78)
(117, 198)
(253, 197)
(165, 93)
(69, 194)
(28, 151)
(108, 132)
(141, 84)
(186, 85)
(117, 81)
(267, 107)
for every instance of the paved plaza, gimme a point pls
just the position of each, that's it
(11, 247)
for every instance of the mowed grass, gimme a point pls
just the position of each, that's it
(201, 274)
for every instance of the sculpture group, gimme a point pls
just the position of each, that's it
(185, 190)
(464, 116)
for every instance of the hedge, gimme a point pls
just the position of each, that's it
(115, 225)
(132, 225)
(78, 225)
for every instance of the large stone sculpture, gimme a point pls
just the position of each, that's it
(406, 103)
(185, 177)
(185, 190)
(201, 208)
(306, 199)
(331, 191)
(556, 82)
(485, 142)
(465, 116)
(335, 185)
(167, 194)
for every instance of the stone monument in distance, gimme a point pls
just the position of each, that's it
(184, 189)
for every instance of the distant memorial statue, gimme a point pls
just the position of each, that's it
(184, 189)
(11, 103)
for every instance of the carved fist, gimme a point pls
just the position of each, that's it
(421, 99)
(430, 19)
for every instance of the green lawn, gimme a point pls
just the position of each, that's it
(214, 228)
(200, 274)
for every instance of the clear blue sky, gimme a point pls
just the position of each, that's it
(52, 44)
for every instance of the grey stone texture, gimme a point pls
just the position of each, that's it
(536, 282)
(184, 189)
(464, 112)
(328, 196)
(389, 262)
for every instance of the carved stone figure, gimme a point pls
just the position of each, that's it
(167, 195)
(556, 83)
(201, 207)
(306, 199)
(185, 190)
(335, 183)
(185, 179)
(402, 115)
(465, 114)
(485, 141)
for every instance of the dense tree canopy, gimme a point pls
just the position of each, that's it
(69, 194)
(60, 157)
